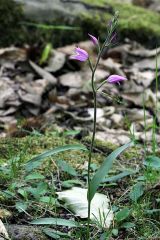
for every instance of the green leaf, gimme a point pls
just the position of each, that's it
(51, 234)
(50, 27)
(21, 206)
(115, 232)
(55, 234)
(152, 211)
(45, 54)
(153, 162)
(104, 169)
(137, 191)
(122, 214)
(119, 176)
(71, 132)
(128, 225)
(55, 221)
(34, 176)
(41, 189)
(70, 183)
(106, 235)
(37, 161)
(48, 200)
(9, 194)
(65, 167)
(22, 192)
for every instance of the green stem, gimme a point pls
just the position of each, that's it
(91, 148)
(94, 90)
(102, 83)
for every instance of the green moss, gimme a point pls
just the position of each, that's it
(105, 147)
(134, 22)
(10, 18)
(30, 146)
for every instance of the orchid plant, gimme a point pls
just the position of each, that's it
(82, 55)
(94, 182)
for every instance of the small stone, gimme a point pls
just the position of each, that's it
(56, 61)
(117, 120)
(71, 80)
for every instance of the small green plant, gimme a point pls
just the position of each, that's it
(45, 53)
(82, 55)
(98, 177)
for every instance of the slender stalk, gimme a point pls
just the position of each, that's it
(94, 90)
(91, 147)
(102, 83)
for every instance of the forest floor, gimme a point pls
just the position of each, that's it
(49, 105)
(46, 104)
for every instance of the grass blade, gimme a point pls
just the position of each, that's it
(50, 27)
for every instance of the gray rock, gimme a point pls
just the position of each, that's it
(155, 6)
(48, 10)
(56, 61)
(25, 232)
(71, 80)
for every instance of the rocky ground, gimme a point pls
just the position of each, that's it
(60, 91)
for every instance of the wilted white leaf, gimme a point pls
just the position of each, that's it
(76, 201)
(3, 231)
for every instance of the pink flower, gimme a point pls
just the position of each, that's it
(80, 55)
(115, 79)
(93, 39)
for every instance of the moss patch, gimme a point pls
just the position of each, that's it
(135, 22)
(10, 18)
(30, 146)
(15, 152)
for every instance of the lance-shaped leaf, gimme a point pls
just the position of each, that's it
(104, 169)
(55, 221)
(36, 161)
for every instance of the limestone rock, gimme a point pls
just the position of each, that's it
(19, 232)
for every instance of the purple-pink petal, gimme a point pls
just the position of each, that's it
(81, 51)
(93, 39)
(80, 55)
(116, 79)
